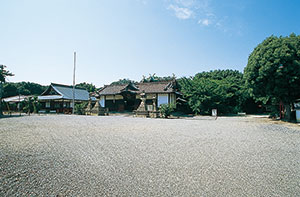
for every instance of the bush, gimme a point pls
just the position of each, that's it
(167, 109)
(27, 105)
(80, 108)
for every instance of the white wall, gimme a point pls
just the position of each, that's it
(162, 99)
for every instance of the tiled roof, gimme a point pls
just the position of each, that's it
(155, 87)
(112, 89)
(66, 92)
(148, 87)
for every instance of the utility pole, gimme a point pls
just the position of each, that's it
(74, 83)
(19, 104)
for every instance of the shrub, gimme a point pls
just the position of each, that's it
(166, 109)
(80, 108)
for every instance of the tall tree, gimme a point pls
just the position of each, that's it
(220, 89)
(3, 74)
(273, 71)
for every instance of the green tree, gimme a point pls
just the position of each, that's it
(23, 88)
(36, 104)
(87, 86)
(273, 71)
(220, 89)
(3, 74)
(80, 108)
(167, 109)
(28, 105)
(122, 81)
(154, 78)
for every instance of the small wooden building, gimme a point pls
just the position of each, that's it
(58, 98)
(126, 97)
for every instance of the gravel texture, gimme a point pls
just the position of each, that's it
(66, 155)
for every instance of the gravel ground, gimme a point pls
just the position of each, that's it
(65, 155)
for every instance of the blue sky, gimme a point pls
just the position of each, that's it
(117, 39)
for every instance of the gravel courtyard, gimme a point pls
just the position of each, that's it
(65, 155)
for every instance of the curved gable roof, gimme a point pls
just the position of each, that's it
(65, 92)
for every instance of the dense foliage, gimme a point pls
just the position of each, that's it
(30, 105)
(23, 88)
(154, 78)
(273, 69)
(80, 108)
(122, 81)
(87, 86)
(166, 109)
(218, 89)
(4, 73)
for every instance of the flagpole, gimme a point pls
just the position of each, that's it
(73, 101)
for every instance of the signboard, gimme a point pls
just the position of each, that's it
(214, 112)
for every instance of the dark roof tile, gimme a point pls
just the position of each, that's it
(148, 87)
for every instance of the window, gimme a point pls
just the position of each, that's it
(47, 104)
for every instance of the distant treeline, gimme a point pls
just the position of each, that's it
(221, 89)
(22, 88)
(29, 88)
(224, 90)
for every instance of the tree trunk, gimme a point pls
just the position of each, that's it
(287, 112)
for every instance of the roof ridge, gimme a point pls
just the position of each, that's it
(125, 84)
(66, 86)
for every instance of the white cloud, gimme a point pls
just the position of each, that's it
(205, 22)
(203, 13)
(200, 10)
(181, 12)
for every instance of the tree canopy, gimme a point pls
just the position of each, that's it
(273, 70)
(122, 81)
(154, 78)
(23, 88)
(4, 73)
(220, 89)
(87, 86)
